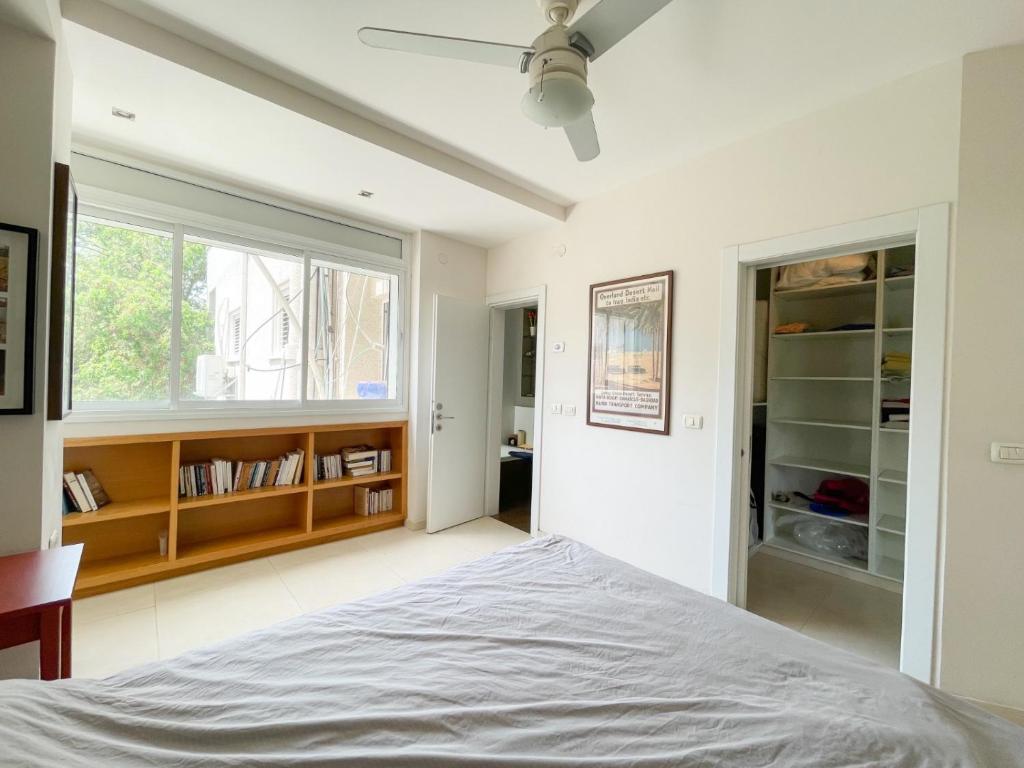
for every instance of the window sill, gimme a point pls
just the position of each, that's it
(80, 420)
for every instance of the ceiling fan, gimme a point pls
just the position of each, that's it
(557, 62)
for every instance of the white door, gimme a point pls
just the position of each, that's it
(458, 440)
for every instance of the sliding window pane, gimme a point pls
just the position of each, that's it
(241, 327)
(350, 333)
(122, 314)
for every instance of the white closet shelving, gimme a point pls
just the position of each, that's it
(824, 414)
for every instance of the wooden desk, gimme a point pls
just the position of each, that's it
(35, 604)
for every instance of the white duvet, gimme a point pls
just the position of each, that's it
(544, 654)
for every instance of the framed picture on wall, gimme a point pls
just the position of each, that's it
(631, 353)
(62, 293)
(17, 316)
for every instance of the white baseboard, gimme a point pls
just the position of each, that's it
(415, 525)
(1012, 714)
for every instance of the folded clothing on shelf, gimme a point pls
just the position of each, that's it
(838, 270)
(896, 363)
(896, 411)
(854, 327)
(839, 496)
(793, 328)
(899, 271)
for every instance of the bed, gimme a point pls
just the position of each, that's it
(544, 654)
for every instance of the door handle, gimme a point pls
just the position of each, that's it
(439, 417)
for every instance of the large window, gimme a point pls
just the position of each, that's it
(244, 321)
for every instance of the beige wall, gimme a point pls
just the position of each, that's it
(648, 499)
(982, 641)
(450, 268)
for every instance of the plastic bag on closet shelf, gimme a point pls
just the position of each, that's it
(854, 268)
(826, 537)
(832, 538)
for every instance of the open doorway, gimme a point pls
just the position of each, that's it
(818, 426)
(830, 416)
(518, 392)
(515, 412)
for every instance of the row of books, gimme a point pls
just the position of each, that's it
(83, 492)
(219, 476)
(370, 502)
(356, 461)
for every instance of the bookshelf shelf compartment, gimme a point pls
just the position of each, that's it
(344, 482)
(114, 570)
(119, 510)
(140, 473)
(352, 523)
(213, 499)
(240, 544)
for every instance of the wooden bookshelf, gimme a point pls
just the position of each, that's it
(140, 474)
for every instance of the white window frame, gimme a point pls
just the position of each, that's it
(124, 209)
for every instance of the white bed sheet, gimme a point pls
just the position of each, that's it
(543, 654)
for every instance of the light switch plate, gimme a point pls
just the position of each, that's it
(570, 410)
(558, 346)
(556, 408)
(1008, 453)
(693, 421)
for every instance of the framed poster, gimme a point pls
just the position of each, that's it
(62, 293)
(631, 353)
(17, 316)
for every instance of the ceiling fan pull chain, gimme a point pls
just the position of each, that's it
(543, 66)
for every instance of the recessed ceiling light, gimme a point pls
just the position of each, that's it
(365, 193)
(122, 113)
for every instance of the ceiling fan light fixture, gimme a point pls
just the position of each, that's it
(560, 99)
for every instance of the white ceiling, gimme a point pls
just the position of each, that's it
(698, 75)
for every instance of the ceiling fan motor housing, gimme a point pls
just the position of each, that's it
(558, 94)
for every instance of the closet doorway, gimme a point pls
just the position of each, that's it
(828, 490)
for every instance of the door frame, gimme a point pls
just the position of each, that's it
(929, 227)
(500, 302)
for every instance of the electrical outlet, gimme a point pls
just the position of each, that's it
(556, 408)
(570, 410)
(558, 346)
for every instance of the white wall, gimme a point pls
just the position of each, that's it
(982, 641)
(450, 268)
(648, 499)
(35, 89)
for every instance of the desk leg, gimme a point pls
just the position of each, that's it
(49, 643)
(65, 640)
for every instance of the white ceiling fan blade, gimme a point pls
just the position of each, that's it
(480, 51)
(610, 21)
(583, 138)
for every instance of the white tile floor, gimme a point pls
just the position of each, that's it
(118, 630)
(857, 617)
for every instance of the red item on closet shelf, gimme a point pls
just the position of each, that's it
(846, 493)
